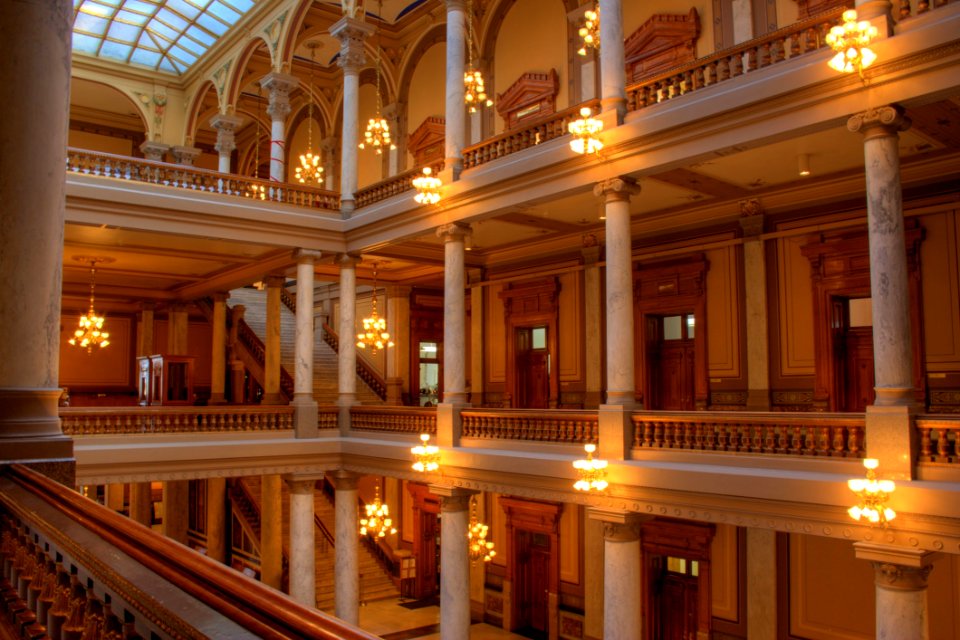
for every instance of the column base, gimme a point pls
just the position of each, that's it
(758, 400)
(305, 416)
(891, 439)
(452, 168)
(617, 106)
(894, 397)
(395, 391)
(344, 402)
(30, 426)
(625, 399)
(347, 206)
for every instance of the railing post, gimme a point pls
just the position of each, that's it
(615, 426)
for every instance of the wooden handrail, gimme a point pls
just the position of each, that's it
(393, 419)
(92, 421)
(562, 426)
(400, 183)
(248, 603)
(366, 372)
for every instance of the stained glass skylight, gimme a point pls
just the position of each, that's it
(164, 35)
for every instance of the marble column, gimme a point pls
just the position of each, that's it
(237, 368)
(185, 155)
(328, 150)
(900, 578)
(113, 496)
(176, 509)
(613, 77)
(271, 368)
(455, 577)
(217, 519)
(761, 584)
(347, 357)
(879, 13)
(155, 151)
(304, 406)
(455, 112)
(398, 358)
(347, 536)
(616, 194)
(177, 330)
(303, 586)
(351, 33)
(755, 305)
(226, 126)
(279, 85)
(141, 503)
(35, 68)
(454, 312)
(890, 435)
(593, 319)
(218, 352)
(478, 294)
(145, 345)
(592, 579)
(622, 613)
(396, 114)
(271, 530)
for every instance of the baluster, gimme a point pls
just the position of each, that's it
(943, 445)
(48, 591)
(904, 10)
(839, 441)
(648, 429)
(722, 70)
(923, 6)
(765, 55)
(60, 608)
(756, 440)
(778, 49)
(795, 44)
(769, 438)
(658, 434)
(823, 440)
(736, 66)
(753, 58)
(73, 627)
(723, 436)
(854, 441)
(698, 436)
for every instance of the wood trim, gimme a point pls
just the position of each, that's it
(529, 304)
(664, 41)
(531, 97)
(738, 628)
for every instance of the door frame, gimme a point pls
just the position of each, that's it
(534, 303)
(424, 502)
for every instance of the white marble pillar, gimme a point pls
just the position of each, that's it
(217, 519)
(622, 617)
(351, 33)
(35, 69)
(271, 343)
(616, 193)
(593, 319)
(613, 77)
(279, 86)
(271, 530)
(304, 405)
(176, 509)
(347, 541)
(455, 576)
(303, 581)
(761, 584)
(454, 313)
(755, 304)
(226, 126)
(218, 346)
(455, 112)
(177, 330)
(592, 579)
(347, 357)
(328, 149)
(900, 578)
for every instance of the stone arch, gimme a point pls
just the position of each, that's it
(235, 85)
(140, 104)
(434, 35)
(196, 106)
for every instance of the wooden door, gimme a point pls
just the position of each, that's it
(428, 560)
(671, 362)
(533, 368)
(675, 598)
(858, 370)
(533, 571)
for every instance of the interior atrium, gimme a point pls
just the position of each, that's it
(480, 318)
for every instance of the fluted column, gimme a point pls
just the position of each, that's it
(346, 565)
(454, 313)
(271, 341)
(456, 113)
(622, 616)
(35, 38)
(455, 577)
(218, 346)
(177, 330)
(613, 77)
(890, 434)
(271, 530)
(755, 303)
(217, 518)
(347, 357)
(279, 86)
(900, 578)
(304, 406)
(616, 194)
(226, 127)
(303, 583)
(351, 34)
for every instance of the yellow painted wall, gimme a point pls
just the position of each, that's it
(796, 308)
(297, 144)
(941, 291)
(97, 142)
(725, 566)
(426, 93)
(571, 541)
(723, 313)
(570, 339)
(369, 164)
(636, 13)
(199, 341)
(102, 367)
(496, 365)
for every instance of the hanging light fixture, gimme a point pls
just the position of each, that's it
(592, 473)
(374, 334)
(873, 494)
(850, 40)
(377, 134)
(428, 187)
(590, 31)
(90, 333)
(378, 522)
(474, 90)
(427, 455)
(585, 132)
(310, 171)
(257, 190)
(479, 547)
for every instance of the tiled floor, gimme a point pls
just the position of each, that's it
(388, 619)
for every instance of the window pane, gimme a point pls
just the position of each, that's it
(676, 565)
(672, 328)
(690, 322)
(538, 338)
(428, 350)
(694, 568)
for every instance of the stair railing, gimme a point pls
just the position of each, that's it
(365, 371)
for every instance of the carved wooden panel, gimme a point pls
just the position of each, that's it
(531, 97)
(664, 41)
(426, 143)
(807, 8)
(532, 303)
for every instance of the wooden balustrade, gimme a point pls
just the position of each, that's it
(393, 419)
(394, 185)
(772, 48)
(183, 177)
(772, 433)
(560, 425)
(916, 7)
(249, 338)
(531, 134)
(91, 421)
(939, 439)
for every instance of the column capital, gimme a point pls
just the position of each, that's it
(307, 256)
(618, 526)
(185, 155)
(299, 483)
(897, 568)
(279, 85)
(344, 480)
(330, 144)
(452, 498)
(351, 33)
(881, 121)
(347, 260)
(153, 150)
(751, 217)
(614, 189)
(226, 126)
(453, 231)
(456, 5)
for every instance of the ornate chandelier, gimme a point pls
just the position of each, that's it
(590, 31)
(427, 455)
(479, 547)
(378, 522)
(850, 40)
(474, 91)
(428, 187)
(90, 333)
(377, 134)
(592, 473)
(310, 171)
(873, 494)
(374, 334)
(585, 132)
